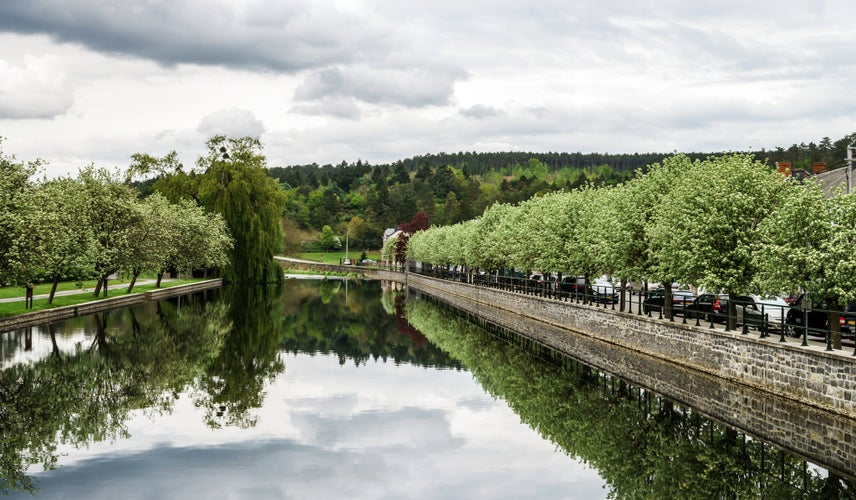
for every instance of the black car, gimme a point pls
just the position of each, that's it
(714, 307)
(570, 285)
(847, 320)
(535, 282)
(708, 307)
(656, 299)
(603, 294)
(818, 319)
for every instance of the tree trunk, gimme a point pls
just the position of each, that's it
(667, 300)
(160, 277)
(98, 288)
(55, 352)
(133, 281)
(835, 326)
(621, 299)
(53, 289)
(731, 321)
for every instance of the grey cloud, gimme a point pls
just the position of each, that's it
(345, 108)
(281, 37)
(480, 112)
(232, 122)
(30, 105)
(411, 87)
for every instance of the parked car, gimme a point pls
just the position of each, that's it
(775, 308)
(750, 313)
(706, 306)
(681, 299)
(603, 294)
(818, 319)
(570, 285)
(536, 281)
(748, 309)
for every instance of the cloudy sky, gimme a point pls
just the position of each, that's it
(93, 81)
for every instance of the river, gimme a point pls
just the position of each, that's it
(333, 388)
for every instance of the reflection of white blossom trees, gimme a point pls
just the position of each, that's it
(87, 394)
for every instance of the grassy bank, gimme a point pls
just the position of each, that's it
(82, 296)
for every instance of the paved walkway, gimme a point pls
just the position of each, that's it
(82, 290)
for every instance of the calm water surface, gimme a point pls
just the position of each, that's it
(345, 389)
(345, 401)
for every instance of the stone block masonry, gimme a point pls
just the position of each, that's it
(807, 375)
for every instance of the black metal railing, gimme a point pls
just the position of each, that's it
(766, 319)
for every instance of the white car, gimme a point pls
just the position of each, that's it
(775, 308)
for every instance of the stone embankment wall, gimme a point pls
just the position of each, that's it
(809, 376)
(58, 313)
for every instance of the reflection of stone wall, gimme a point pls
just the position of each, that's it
(590, 335)
(808, 375)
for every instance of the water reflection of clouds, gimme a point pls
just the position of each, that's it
(376, 431)
(15, 350)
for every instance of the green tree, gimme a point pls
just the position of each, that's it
(707, 232)
(236, 185)
(171, 180)
(57, 221)
(153, 235)
(329, 240)
(16, 263)
(112, 215)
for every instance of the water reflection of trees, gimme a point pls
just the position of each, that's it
(355, 319)
(643, 446)
(138, 359)
(233, 384)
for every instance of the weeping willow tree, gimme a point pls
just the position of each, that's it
(236, 185)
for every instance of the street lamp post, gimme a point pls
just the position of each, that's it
(850, 149)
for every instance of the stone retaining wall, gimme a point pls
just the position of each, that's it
(807, 375)
(820, 436)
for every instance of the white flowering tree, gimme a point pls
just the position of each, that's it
(58, 232)
(112, 214)
(490, 251)
(18, 259)
(706, 233)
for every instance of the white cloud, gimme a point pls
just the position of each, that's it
(327, 81)
(232, 122)
(35, 89)
(412, 87)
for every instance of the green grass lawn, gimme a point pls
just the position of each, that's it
(9, 292)
(115, 289)
(336, 257)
